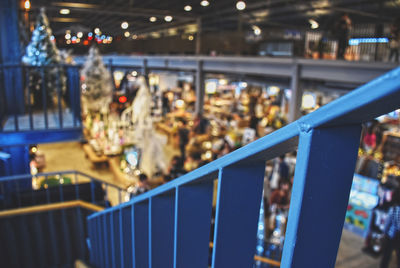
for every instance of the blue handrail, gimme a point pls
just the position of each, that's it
(169, 226)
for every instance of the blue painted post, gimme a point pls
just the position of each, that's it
(127, 252)
(116, 245)
(193, 209)
(162, 210)
(323, 176)
(140, 236)
(238, 206)
(10, 53)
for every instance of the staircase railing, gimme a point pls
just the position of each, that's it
(52, 187)
(170, 225)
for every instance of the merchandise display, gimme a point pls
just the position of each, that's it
(96, 84)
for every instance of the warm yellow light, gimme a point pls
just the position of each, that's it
(204, 3)
(180, 103)
(127, 34)
(68, 41)
(97, 31)
(124, 25)
(190, 37)
(168, 18)
(134, 73)
(240, 5)
(27, 5)
(153, 19)
(34, 149)
(65, 11)
(188, 8)
(134, 36)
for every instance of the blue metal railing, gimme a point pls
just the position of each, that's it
(39, 98)
(170, 225)
(45, 188)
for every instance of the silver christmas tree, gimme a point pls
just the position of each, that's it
(96, 84)
(42, 52)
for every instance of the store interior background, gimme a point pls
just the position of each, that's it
(236, 108)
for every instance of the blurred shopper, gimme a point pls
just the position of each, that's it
(183, 134)
(394, 43)
(200, 124)
(175, 169)
(392, 232)
(342, 30)
(165, 103)
(281, 197)
(369, 140)
(142, 186)
(280, 172)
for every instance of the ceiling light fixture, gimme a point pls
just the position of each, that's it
(68, 36)
(153, 19)
(204, 3)
(79, 34)
(188, 8)
(27, 5)
(168, 18)
(313, 24)
(124, 25)
(65, 11)
(190, 37)
(256, 30)
(127, 34)
(97, 31)
(134, 37)
(240, 5)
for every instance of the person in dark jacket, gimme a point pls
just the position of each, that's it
(392, 232)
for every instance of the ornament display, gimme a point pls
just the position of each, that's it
(96, 84)
(42, 52)
(138, 121)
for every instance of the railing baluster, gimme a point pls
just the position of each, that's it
(140, 234)
(15, 106)
(323, 177)
(193, 207)
(27, 84)
(59, 98)
(111, 231)
(46, 186)
(121, 240)
(92, 185)
(44, 98)
(162, 211)
(17, 193)
(76, 186)
(238, 206)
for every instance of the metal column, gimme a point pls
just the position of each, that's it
(297, 94)
(199, 106)
(10, 53)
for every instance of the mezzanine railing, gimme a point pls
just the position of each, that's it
(36, 98)
(170, 225)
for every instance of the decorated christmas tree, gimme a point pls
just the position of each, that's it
(42, 52)
(96, 84)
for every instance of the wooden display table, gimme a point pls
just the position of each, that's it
(123, 178)
(93, 157)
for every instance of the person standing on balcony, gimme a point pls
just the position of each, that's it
(392, 232)
(343, 27)
(394, 43)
